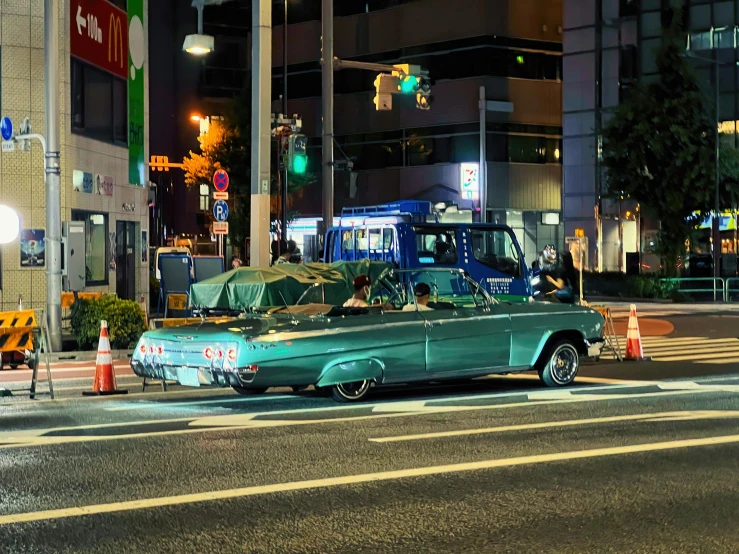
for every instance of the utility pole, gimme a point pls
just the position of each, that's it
(261, 78)
(53, 171)
(327, 143)
(283, 226)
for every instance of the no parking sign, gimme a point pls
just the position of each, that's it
(220, 180)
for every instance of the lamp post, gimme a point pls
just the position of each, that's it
(261, 52)
(283, 226)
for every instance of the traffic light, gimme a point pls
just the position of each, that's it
(159, 163)
(385, 86)
(408, 84)
(423, 94)
(297, 155)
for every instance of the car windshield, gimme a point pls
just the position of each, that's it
(448, 288)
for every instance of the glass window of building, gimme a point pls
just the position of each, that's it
(99, 104)
(96, 246)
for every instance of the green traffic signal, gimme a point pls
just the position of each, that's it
(408, 84)
(300, 164)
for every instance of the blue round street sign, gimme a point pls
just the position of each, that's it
(220, 210)
(6, 128)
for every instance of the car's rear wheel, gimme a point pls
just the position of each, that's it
(248, 391)
(350, 392)
(561, 365)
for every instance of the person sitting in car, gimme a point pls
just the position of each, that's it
(422, 292)
(362, 285)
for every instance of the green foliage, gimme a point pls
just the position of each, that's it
(659, 149)
(126, 322)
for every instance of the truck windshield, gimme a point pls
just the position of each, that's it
(495, 249)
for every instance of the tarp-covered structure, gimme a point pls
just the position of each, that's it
(248, 287)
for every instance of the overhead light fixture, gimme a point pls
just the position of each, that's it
(198, 45)
(195, 117)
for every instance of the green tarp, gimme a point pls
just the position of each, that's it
(248, 287)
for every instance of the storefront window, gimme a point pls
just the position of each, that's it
(96, 246)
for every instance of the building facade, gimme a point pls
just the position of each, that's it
(511, 48)
(104, 143)
(608, 45)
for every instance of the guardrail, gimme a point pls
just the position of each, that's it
(728, 289)
(717, 286)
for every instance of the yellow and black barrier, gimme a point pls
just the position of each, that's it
(21, 331)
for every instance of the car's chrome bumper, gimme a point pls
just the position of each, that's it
(194, 376)
(595, 347)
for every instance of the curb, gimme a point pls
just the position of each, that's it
(86, 356)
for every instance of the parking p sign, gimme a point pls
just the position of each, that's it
(220, 210)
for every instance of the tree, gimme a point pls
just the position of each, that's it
(227, 145)
(659, 148)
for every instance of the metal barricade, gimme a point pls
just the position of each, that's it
(716, 287)
(728, 289)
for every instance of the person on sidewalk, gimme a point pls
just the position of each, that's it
(567, 283)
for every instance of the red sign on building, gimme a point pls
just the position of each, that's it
(99, 35)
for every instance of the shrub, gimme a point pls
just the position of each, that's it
(126, 322)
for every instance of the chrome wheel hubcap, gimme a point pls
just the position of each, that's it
(353, 390)
(564, 364)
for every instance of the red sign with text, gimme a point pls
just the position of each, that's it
(99, 35)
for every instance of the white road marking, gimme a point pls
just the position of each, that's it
(163, 406)
(148, 503)
(656, 417)
(22, 439)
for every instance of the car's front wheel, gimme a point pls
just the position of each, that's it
(350, 392)
(248, 391)
(561, 366)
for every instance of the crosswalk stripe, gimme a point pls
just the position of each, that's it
(695, 349)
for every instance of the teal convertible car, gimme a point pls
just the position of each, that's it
(461, 333)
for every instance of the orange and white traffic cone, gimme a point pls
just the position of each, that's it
(104, 382)
(634, 351)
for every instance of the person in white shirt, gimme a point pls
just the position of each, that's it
(362, 285)
(422, 292)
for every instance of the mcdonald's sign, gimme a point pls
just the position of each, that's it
(99, 35)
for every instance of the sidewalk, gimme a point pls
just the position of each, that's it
(647, 308)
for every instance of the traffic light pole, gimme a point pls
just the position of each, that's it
(261, 75)
(327, 135)
(283, 226)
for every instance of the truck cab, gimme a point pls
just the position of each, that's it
(416, 234)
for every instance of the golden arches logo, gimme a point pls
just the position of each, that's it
(115, 39)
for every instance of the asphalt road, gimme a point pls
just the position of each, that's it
(637, 457)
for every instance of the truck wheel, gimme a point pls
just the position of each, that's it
(350, 392)
(561, 366)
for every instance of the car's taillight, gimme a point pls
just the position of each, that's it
(251, 368)
(160, 350)
(151, 349)
(208, 353)
(232, 354)
(142, 348)
(219, 353)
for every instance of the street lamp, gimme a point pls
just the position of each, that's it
(200, 44)
(9, 225)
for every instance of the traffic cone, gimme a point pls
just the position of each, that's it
(634, 351)
(104, 383)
